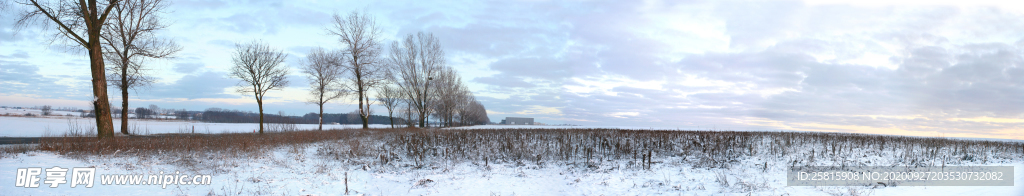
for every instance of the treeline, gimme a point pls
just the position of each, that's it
(151, 112)
(217, 115)
(349, 118)
(409, 77)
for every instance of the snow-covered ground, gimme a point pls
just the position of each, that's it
(19, 126)
(561, 127)
(56, 113)
(58, 125)
(300, 171)
(13, 126)
(661, 128)
(16, 126)
(21, 112)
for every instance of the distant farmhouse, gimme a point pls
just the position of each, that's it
(517, 121)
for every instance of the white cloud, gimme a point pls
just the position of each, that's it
(829, 65)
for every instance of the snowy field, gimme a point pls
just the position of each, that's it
(290, 172)
(663, 128)
(18, 126)
(562, 127)
(58, 125)
(12, 111)
(311, 169)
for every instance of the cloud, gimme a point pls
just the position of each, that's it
(249, 23)
(494, 39)
(299, 51)
(504, 81)
(196, 86)
(18, 54)
(187, 68)
(7, 31)
(764, 65)
(222, 43)
(791, 87)
(200, 4)
(297, 81)
(543, 68)
(23, 78)
(979, 80)
(267, 17)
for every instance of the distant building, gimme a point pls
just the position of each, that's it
(517, 121)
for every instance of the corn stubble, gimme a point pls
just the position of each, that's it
(587, 148)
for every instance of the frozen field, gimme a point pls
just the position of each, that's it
(562, 127)
(56, 126)
(12, 111)
(657, 128)
(17, 126)
(501, 162)
(306, 169)
(301, 173)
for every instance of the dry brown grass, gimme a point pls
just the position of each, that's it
(7, 150)
(189, 142)
(583, 147)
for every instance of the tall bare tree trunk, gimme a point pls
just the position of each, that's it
(362, 112)
(104, 123)
(366, 118)
(124, 97)
(124, 109)
(259, 101)
(321, 116)
(423, 116)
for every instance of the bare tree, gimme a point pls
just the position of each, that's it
(476, 113)
(414, 63)
(46, 110)
(324, 71)
(181, 114)
(154, 111)
(4, 6)
(130, 38)
(462, 106)
(353, 116)
(472, 112)
(359, 36)
(115, 112)
(259, 67)
(407, 113)
(390, 98)
(143, 113)
(449, 93)
(81, 23)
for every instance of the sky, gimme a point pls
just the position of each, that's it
(919, 68)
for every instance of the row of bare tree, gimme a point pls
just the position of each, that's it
(122, 33)
(413, 75)
(412, 81)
